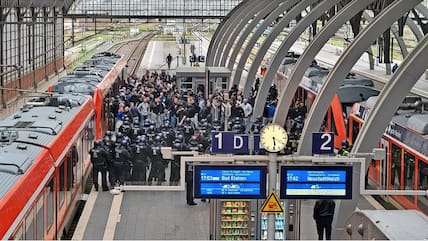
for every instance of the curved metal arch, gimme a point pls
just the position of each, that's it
(245, 32)
(222, 28)
(423, 10)
(305, 60)
(234, 31)
(250, 45)
(391, 96)
(290, 15)
(285, 46)
(394, 31)
(345, 63)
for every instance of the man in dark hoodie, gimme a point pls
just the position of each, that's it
(323, 215)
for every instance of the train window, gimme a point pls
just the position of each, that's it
(409, 170)
(423, 185)
(40, 219)
(72, 159)
(18, 235)
(29, 225)
(62, 183)
(395, 166)
(355, 129)
(49, 194)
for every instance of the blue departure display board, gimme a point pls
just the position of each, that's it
(230, 182)
(316, 182)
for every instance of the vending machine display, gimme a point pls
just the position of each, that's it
(279, 227)
(234, 220)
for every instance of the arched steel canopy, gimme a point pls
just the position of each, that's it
(285, 46)
(287, 93)
(235, 29)
(390, 98)
(290, 15)
(268, 8)
(247, 50)
(222, 29)
(345, 63)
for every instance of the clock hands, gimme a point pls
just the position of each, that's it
(273, 141)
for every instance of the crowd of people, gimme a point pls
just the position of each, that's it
(150, 112)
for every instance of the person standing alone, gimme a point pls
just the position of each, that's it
(323, 215)
(169, 60)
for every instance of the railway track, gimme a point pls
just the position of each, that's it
(134, 51)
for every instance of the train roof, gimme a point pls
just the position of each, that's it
(97, 70)
(399, 224)
(15, 159)
(29, 131)
(88, 78)
(78, 86)
(350, 94)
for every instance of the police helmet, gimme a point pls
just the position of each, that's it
(176, 145)
(106, 139)
(193, 140)
(124, 143)
(147, 123)
(119, 136)
(345, 143)
(97, 143)
(157, 139)
(179, 137)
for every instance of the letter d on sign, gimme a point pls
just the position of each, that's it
(238, 142)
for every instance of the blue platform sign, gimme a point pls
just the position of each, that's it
(257, 146)
(229, 143)
(230, 182)
(322, 143)
(316, 182)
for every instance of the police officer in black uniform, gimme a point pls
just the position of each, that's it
(157, 169)
(99, 164)
(178, 145)
(141, 160)
(121, 162)
(193, 146)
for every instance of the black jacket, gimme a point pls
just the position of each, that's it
(324, 208)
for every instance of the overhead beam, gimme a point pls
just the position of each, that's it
(287, 94)
(220, 28)
(256, 35)
(391, 97)
(344, 65)
(266, 8)
(282, 51)
(279, 27)
(245, 18)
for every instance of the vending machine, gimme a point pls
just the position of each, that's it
(234, 220)
(280, 225)
(234, 192)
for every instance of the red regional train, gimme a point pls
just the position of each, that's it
(406, 143)
(101, 76)
(355, 88)
(44, 164)
(405, 139)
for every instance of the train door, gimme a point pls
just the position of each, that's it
(382, 165)
(395, 167)
(422, 183)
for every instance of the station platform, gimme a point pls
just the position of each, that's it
(165, 215)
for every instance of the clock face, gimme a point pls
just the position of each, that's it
(273, 137)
